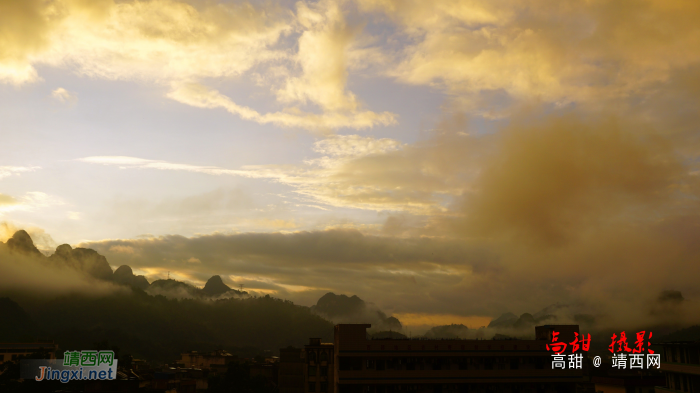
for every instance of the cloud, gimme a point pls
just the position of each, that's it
(122, 249)
(550, 207)
(155, 40)
(30, 201)
(7, 200)
(322, 55)
(181, 44)
(42, 240)
(557, 177)
(24, 277)
(23, 31)
(357, 172)
(355, 146)
(302, 261)
(200, 96)
(430, 278)
(584, 52)
(6, 171)
(64, 96)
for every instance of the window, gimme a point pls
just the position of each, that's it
(370, 364)
(380, 364)
(539, 363)
(437, 364)
(463, 364)
(324, 372)
(356, 364)
(312, 371)
(488, 364)
(312, 386)
(324, 387)
(312, 357)
(411, 364)
(323, 357)
(514, 364)
(344, 363)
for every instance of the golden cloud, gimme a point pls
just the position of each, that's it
(558, 52)
(181, 43)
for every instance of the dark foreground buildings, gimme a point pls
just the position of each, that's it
(356, 364)
(680, 363)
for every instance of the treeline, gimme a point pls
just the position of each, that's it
(159, 329)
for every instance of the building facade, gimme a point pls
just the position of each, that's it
(319, 366)
(291, 371)
(680, 363)
(452, 366)
(212, 360)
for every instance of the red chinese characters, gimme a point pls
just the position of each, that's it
(585, 343)
(558, 347)
(622, 345)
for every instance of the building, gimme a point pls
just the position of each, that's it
(680, 363)
(13, 351)
(448, 366)
(612, 380)
(319, 366)
(218, 360)
(291, 371)
(267, 370)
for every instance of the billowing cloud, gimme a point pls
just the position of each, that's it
(431, 278)
(571, 51)
(42, 240)
(25, 277)
(179, 43)
(322, 55)
(565, 208)
(153, 40)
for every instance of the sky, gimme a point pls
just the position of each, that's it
(447, 161)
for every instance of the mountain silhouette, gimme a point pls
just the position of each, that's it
(22, 243)
(215, 287)
(84, 259)
(505, 320)
(125, 276)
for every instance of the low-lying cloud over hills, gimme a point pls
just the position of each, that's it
(74, 297)
(82, 268)
(290, 266)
